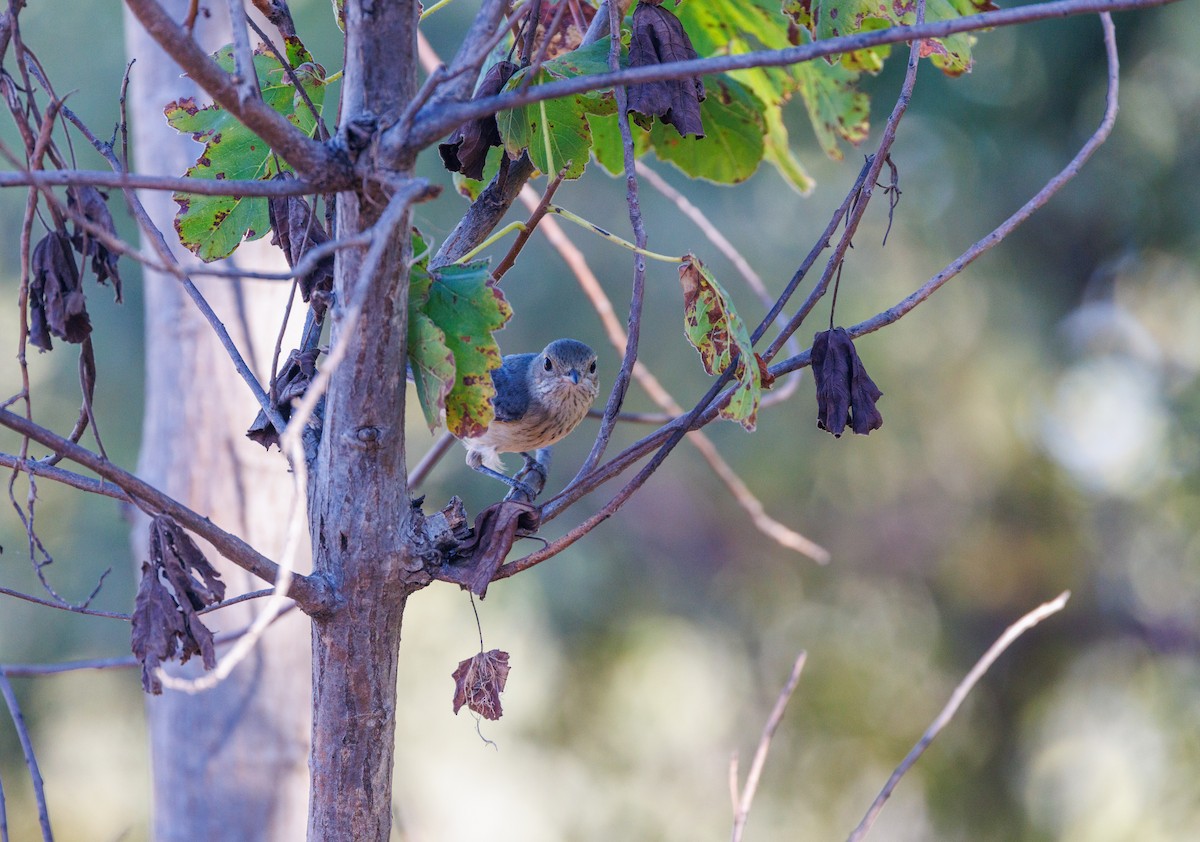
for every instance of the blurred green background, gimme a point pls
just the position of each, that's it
(1041, 418)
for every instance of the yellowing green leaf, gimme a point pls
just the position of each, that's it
(732, 147)
(715, 329)
(212, 226)
(466, 306)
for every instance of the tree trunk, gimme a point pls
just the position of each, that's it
(230, 763)
(360, 511)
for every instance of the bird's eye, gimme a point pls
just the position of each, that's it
(549, 366)
(592, 367)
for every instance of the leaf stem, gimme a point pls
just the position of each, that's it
(613, 238)
(434, 8)
(503, 232)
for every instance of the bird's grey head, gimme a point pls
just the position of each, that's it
(567, 363)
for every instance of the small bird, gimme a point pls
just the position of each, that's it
(539, 399)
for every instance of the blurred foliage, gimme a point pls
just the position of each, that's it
(1040, 433)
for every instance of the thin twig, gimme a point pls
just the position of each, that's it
(434, 455)
(858, 206)
(1001, 232)
(634, 329)
(126, 180)
(587, 280)
(746, 799)
(309, 592)
(537, 213)
(436, 120)
(247, 75)
(63, 605)
(956, 699)
(31, 764)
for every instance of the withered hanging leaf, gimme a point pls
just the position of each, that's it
(296, 230)
(89, 203)
(56, 301)
(568, 36)
(658, 38)
(466, 150)
(479, 681)
(290, 383)
(176, 583)
(845, 393)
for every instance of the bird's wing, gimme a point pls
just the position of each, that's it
(511, 380)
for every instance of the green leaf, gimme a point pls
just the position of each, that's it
(836, 107)
(716, 330)
(469, 187)
(466, 307)
(833, 18)
(606, 142)
(732, 147)
(778, 151)
(430, 357)
(556, 132)
(213, 226)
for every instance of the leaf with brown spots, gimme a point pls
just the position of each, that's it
(177, 582)
(211, 227)
(479, 681)
(56, 301)
(716, 330)
(464, 303)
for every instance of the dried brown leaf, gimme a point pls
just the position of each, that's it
(291, 383)
(177, 582)
(658, 38)
(90, 204)
(296, 230)
(56, 301)
(845, 392)
(466, 149)
(479, 681)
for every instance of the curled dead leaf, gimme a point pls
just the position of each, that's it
(479, 681)
(296, 230)
(466, 149)
(845, 392)
(89, 204)
(659, 38)
(177, 582)
(56, 301)
(290, 383)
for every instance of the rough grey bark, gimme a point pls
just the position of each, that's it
(231, 763)
(360, 511)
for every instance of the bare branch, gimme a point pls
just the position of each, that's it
(123, 180)
(31, 764)
(1001, 232)
(956, 699)
(434, 455)
(431, 123)
(63, 606)
(309, 592)
(79, 481)
(587, 280)
(861, 199)
(743, 802)
(327, 168)
(633, 333)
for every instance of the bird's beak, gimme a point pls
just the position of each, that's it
(574, 375)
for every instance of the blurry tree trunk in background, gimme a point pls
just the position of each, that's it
(231, 763)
